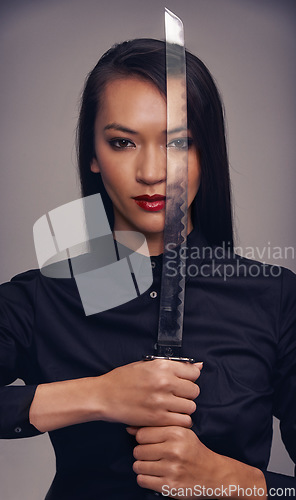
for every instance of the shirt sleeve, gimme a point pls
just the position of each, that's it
(279, 485)
(17, 360)
(285, 385)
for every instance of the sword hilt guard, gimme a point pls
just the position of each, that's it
(150, 357)
(172, 353)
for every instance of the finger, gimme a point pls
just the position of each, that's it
(151, 435)
(149, 451)
(187, 371)
(177, 419)
(149, 468)
(181, 405)
(151, 482)
(186, 389)
(155, 435)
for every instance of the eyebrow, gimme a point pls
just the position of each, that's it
(122, 128)
(176, 130)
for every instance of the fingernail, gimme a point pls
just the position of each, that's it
(199, 364)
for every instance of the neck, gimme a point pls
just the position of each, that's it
(135, 241)
(155, 241)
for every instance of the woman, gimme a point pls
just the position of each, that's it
(124, 428)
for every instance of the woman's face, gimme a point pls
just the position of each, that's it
(130, 147)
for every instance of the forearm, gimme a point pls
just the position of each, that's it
(70, 402)
(139, 394)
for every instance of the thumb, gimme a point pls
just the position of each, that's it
(199, 365)
(132, 430)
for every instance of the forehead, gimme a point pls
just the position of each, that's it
(131, 99)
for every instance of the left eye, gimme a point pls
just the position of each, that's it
(181, 143)
(121, 143)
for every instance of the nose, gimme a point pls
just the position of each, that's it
(151, 167)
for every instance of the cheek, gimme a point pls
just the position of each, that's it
(110, 181)
(109, 170)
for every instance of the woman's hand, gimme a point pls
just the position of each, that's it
(145, 393)
(149, 393)
(171, 459)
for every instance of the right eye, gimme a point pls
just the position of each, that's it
(119, 143)
(181, 143)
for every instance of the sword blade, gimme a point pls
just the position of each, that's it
(170, 328)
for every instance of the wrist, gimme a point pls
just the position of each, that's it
(100, 405)
(243, 481)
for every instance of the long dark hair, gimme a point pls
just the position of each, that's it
(144, 57)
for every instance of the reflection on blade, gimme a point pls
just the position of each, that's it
(174, 30)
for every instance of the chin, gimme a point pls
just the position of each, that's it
(154, 231)
(149, 229)
(149, 224)
(155, 226)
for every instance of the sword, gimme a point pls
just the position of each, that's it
(172, 294)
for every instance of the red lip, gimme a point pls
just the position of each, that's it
(147, 197)
(153, 203)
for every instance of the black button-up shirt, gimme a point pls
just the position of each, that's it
(240, 320)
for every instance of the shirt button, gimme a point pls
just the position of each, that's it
(153, 264)
(18, 430)
(153, 295)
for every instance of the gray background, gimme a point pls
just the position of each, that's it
(48, 47)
